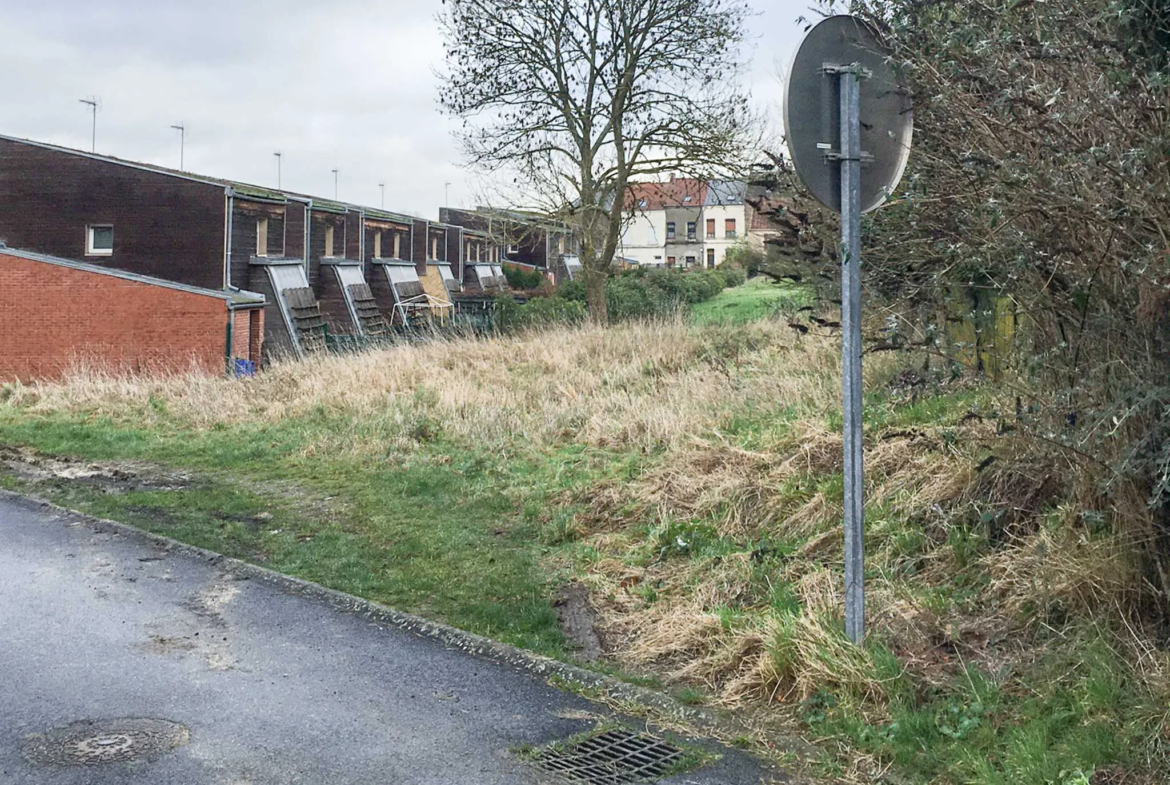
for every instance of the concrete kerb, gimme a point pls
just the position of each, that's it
(595, 686)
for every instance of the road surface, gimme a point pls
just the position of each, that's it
(268, 686)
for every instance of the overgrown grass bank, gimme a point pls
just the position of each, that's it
(689, 476)
(758, 298)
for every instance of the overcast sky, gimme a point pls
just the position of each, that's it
(344, 84)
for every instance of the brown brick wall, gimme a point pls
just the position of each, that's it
(164, 226)
(53, 316)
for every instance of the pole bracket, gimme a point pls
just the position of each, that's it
(857, 69)
(834, 156)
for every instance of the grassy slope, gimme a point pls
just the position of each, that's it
(758, 298)
(690, 478)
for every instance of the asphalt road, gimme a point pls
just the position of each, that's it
(275, 687)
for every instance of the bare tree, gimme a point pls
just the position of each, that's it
(575, 99)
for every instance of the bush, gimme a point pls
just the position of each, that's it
(633, 294)
(523, 278)
(512, 316)
(745, 259)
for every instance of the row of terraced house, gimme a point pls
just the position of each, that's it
(141, 265)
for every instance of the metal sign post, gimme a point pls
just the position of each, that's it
(849, 79)
(824, 106)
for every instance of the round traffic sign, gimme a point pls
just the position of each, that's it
(812, 117)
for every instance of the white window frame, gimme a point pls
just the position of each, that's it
(90, 250)
(262, 237)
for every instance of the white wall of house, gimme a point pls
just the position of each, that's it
(645, 241)
(722, 242)
(644, 238)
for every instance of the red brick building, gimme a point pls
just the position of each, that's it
(56, 312)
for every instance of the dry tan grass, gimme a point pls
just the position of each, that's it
(640, 387)
(670, 390)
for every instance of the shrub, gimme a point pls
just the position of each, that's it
(523, 277)
(511, 316)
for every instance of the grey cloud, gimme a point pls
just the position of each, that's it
(342, 84)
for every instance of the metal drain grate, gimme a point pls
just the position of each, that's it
(614, 757)
(95, 742)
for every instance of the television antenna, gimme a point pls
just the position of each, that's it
(95, 104)
(182, 129)
(849, 125)
(279, 157)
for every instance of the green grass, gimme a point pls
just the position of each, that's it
(438, 536)
(1057, 720)
(759, 298)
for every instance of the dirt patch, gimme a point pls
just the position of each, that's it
(577, 621)
(115, 477)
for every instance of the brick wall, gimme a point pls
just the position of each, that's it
(52, 316)
(164, 225)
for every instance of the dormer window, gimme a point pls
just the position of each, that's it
(99, 240)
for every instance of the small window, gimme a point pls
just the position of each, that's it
(513, 250)
(729, 230)
(262, 237)
(377, 245)
(329, 241)
(690, 261)
(99, 240)
(670, 261)
(434, 247)
(710, 257)
(561, 244)
(641, 202)
(691, 228)
(670, 230)
(711, 228)
(688, 199)
(397, 245)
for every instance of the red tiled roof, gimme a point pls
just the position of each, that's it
(660, 196)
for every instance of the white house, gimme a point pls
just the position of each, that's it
(726, 221)
(686, 222)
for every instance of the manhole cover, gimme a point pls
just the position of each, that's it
(94, 742)
(614, 757)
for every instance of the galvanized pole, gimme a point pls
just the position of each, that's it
(851, 351)
(182, 129)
